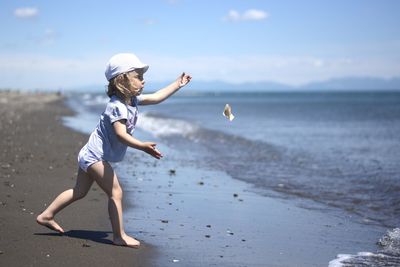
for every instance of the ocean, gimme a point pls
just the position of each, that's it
(336, 150)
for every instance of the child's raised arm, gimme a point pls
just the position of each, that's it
(162, 94)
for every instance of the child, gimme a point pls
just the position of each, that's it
(109, 141)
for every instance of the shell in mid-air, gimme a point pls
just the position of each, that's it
(228, 112)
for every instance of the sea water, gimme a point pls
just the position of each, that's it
(338, 150)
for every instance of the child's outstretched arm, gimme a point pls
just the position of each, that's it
(129, 140)
(162, 94)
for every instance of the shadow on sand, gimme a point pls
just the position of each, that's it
(96, 236)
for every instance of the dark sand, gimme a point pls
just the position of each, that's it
(192, 217)
(37, 162)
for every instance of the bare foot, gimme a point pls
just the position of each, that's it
(127, 241)
(49, 223)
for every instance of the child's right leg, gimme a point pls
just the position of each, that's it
(83, 184)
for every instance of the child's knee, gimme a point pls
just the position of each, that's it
(79, 194)
(116, 192)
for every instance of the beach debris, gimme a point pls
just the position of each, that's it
(229, 232)
(7, 183)
(228, 112)
(5, 166)
(235, 195)
(208, 225)
(48, 255)
(243, 240)
(164, 221)
(85, 245)
(366, 220)
(172, 172)
(200, 183)
(207, 236)
(175, 260)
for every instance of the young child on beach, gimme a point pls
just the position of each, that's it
(109, 142)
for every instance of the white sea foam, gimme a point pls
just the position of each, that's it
(93, 100)
(164, 127)
(389, 255)
(391, 242)
(338, 262)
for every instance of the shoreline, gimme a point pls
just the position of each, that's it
(37, 162)
(188, 217)
(193, 218)
(200, 217)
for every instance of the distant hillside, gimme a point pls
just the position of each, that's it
(355, 83)
(337, 84)
(211, 86)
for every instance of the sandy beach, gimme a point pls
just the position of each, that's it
(183, 215)
(37, 162)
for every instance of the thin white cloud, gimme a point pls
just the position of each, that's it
(33, 71)
(150, 21)
(254, 14)
(26, 12)
(248, 15)
(172, 2)
(49, 37)
(40, 71)
(293, 70)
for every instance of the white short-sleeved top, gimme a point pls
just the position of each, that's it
(103, 143)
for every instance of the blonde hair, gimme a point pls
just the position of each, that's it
(120, 86)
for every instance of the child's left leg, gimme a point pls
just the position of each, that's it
(104, 175)
(83, 184)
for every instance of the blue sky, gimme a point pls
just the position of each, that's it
(63, 44)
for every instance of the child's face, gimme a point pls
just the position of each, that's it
(136, 81)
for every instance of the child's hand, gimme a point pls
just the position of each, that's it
(183, 79)
(150, 148)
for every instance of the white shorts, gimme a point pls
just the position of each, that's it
(86, 158)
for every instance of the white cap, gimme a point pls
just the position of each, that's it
(122, 63)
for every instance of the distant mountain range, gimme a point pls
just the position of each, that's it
(337, 84)
(355, 83)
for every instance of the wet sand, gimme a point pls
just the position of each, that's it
(184, 216)
(37, 162)
(200, 217)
